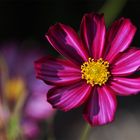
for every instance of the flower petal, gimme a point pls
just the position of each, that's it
(125, 86)
(101, 106)
(66, 41)
(127, 63)
(66, 98)
(57, 71)
(119, 37)
(93, 34)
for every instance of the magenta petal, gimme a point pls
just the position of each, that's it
(66, 41)
(101, 107)
(119, 37)
(125, 86)
(57, 71)
(127, 63)
(93, 34)
(72, 96)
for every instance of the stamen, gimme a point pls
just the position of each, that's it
(95, 72)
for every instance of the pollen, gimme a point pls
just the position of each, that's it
(95, 72)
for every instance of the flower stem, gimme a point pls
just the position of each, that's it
(50, 130)
(110, 14)
(85, 133)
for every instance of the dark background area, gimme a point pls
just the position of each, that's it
(30, 19)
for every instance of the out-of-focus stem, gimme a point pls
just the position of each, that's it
(111, 9)
(85, 133)
(3, 104)
(3, 79)
(14, 130)
(50, 129)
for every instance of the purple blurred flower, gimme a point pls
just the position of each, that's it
(37, 107)
(30, 129)
(19, 60)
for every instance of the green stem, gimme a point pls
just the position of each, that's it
(85, 133)
(111, 9)
(13, 128)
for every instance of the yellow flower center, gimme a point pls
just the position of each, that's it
(14, 88)
(95, 72)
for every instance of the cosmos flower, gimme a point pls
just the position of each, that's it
(99, 65)
(17, 80)
(20, 86)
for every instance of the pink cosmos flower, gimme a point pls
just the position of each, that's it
(98, 67)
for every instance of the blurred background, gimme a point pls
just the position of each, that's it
(24, 112)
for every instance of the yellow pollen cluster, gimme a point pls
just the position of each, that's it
(95, 72)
